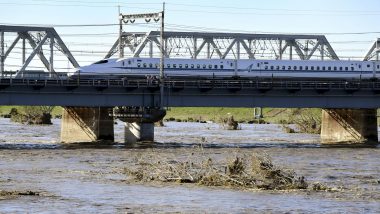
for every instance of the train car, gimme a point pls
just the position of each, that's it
(228, 68)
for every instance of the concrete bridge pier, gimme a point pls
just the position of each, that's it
(139, 126)
(139, 132)
(349, 126)
(82, 124)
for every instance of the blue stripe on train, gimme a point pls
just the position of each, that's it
(252, 71)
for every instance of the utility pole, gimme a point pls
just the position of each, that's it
(131, 18)
(2, 53)
(162, 74)
(121, 48)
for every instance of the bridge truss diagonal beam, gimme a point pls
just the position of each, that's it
(227, 45)
(39, 38)
(374, 51)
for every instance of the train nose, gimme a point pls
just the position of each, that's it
(74, 72)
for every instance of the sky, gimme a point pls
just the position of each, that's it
(349, 25)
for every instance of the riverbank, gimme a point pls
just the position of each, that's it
(193, 114)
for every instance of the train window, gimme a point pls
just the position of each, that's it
(306, 67)
(150, 65)
(144, 65)
(209, 66)
(216, 66)
(352, 68)
(346, 68)
(174, 65)
(204, 66)
(368, 66)
(334, 68)
(272, 67)
(266, 67)
(258, 64)
(294, 67)
(198, 66)
(221, 66)
(168, 65)
(301, 68)
(101, 61)
(186, 66)
(192, 66)
(360, 66)
(283, 67)
(156, 65)
(378, 66)
(129, 62)
(138, 65)
(277, 67)
(340, 68)
(289, 67)
(323, 68)
(329, 68)
(180, 65)
(123, 63)
(312, 68)
(231, 64)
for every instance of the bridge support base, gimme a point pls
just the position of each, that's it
(139, 122)
(86, 125)
(349, 126)
(139, 132)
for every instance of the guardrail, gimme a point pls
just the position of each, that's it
(203, 84)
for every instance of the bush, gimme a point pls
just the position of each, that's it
(32, 115)
(230, 123)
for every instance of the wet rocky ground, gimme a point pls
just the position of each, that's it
(38, 174)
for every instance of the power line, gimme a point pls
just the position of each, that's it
(267, 14)
(98, 2)
(267, 9)
(184, 27)
(70, 5)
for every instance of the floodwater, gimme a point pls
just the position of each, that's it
(89, 179)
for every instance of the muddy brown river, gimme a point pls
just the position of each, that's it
(90, 178)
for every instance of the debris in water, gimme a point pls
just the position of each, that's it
(251, 172)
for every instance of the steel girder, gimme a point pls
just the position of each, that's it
(374, 51)
(226, 45)
(37, 37)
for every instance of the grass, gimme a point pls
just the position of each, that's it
(210, 113)
(6, 109)
(271, 115)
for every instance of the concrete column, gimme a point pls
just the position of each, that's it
(81, 124)
(139, 123)
(349, 126)
(139, 132)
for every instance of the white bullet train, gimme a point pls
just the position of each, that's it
(227, 68)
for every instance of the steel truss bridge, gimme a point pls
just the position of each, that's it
(225, 45)
(374, 51)
(108, 92)
(37, 38)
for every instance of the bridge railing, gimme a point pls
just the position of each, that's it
(202, 84)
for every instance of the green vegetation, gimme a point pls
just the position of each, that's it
(271, 115)
(31, 115)
(209, 113)
(57, 111)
